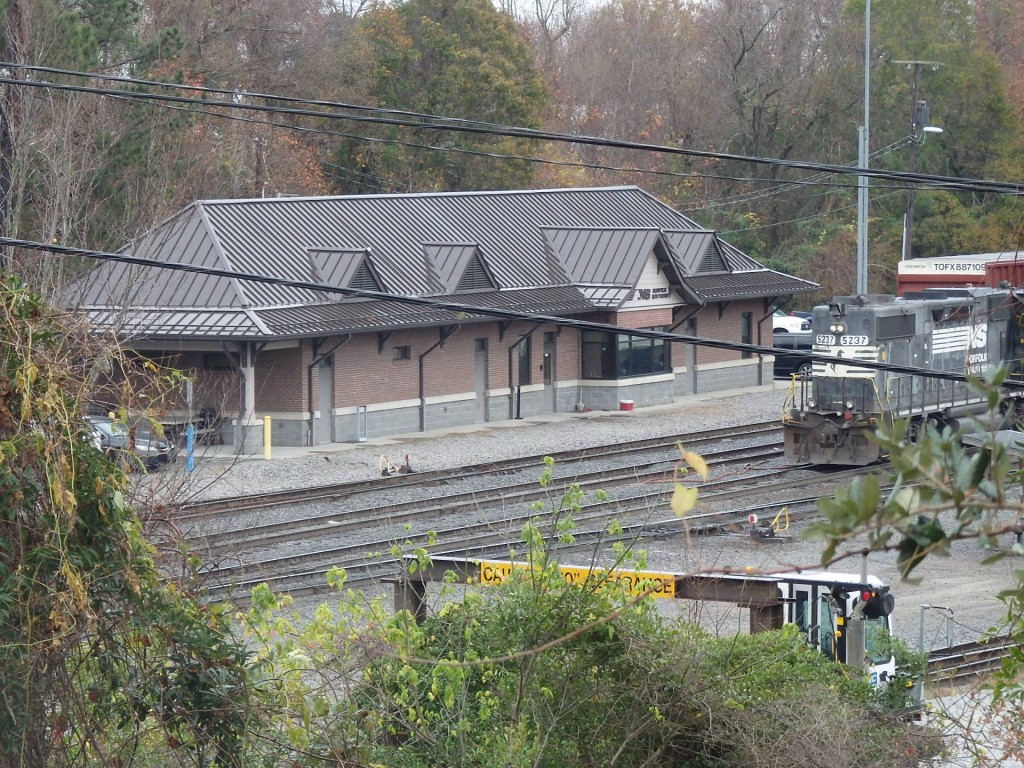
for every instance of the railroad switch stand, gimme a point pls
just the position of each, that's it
(769, 530)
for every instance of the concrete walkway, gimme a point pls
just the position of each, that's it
(227, 452)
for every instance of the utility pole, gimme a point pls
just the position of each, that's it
(919, 118)
(862, 162)
(10, 110)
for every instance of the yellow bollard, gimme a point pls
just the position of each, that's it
(266, 438)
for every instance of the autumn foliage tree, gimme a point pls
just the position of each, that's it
(99, 658)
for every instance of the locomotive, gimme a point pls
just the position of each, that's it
(878, 345)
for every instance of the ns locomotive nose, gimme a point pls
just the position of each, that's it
(868, 339)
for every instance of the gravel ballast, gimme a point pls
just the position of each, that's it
(958, 582)
(218, 474)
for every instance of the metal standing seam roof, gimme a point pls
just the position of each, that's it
(416, 244)
(181, 324)
(760, 283)
(603, 256)
(357, 316)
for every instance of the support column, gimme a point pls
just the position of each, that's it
(764, 618)
(248, 437)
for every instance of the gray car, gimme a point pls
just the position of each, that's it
(140, 444)
(788, 357)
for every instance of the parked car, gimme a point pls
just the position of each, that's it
(783, 323)
(787, 359)
(139, 445)
(806, 314)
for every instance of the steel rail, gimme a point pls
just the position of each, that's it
(968, 661)
(364, 561)
(336, 521)
(202, 509)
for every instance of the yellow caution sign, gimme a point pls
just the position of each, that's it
(659, 584)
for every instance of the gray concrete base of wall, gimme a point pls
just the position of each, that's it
(642, 393)
(406, 420)
(718, 379)
(248, 439)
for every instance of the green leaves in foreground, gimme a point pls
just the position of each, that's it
(941, 491)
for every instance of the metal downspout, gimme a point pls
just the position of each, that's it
(693, 374)
(760, 342)
(445, 333)
(512, 411)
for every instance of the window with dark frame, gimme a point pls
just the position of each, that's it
(612, 356)
(402, 353)
(747, 332)
(524, 362)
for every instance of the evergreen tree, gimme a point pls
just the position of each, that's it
(457, 58)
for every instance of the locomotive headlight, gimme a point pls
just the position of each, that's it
(837, 328)
(849, 405)
(811, 404)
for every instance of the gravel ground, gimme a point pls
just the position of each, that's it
(953, 599)
(958, 582)
(217, 474)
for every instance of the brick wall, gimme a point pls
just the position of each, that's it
(642, 318)
(448, 370)
(727, 328)
(568, 355)
(362, 375)
(281, 379)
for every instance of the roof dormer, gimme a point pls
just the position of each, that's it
(346, 268)
(712, 260)
(462, 267)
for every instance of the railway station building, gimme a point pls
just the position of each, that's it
(391, 314)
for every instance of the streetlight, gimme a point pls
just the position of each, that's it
(919, 118)
(915, 142)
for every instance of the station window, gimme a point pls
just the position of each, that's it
(402, 353)
(524, 362)
(622, 355)
(747, 331)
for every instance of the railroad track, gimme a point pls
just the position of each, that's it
(304, 573)
(199, 511)
(967, 661)
(333, 522)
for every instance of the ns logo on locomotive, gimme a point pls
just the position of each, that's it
(829, 415)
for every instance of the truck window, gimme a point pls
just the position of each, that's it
(827, 634)
(876, 636)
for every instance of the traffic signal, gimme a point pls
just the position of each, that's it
(877, 603)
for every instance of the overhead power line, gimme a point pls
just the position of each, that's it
(374, 115)
(465, 309)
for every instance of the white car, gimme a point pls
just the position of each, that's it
(783, 323)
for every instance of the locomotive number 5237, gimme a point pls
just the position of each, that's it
(828, 340)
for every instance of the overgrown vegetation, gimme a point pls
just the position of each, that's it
(99, 659)
(102, 662)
